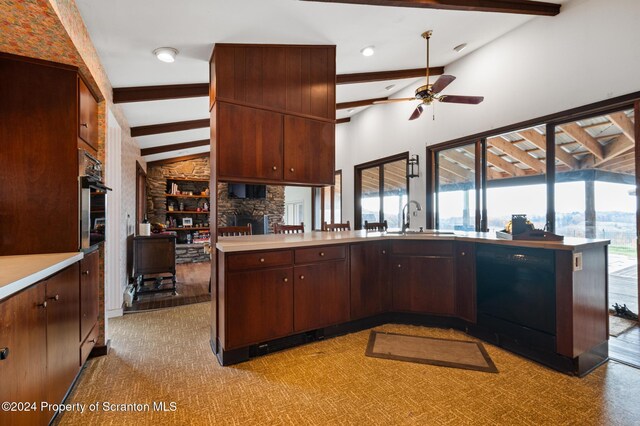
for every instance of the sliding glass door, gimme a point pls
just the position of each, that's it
(382, 190)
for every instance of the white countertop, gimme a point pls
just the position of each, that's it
(19, 272)
(316, 238)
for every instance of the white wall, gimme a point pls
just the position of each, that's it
(588, 53)
(297, 194)
(115, 267)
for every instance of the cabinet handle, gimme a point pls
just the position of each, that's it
(321, 254)
(4, 354)
(399, 265)
(462, 253)
(85, 272)
(384, 252)
(302, 277)
(286, 280)
(291, 170)
(85, 125)
(275, 168)
(262, 260)
(42, 305)
(55, 298)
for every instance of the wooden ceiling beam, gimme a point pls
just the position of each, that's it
(154, 129)
(585, 139)
(177, 159)
(521, 7)
(357, 104)
(459, 157)
(369, 77)
(465, 174)
(619, 147)
(541, 142)
(448, 176)
(174, 147)
(159, 93)
(504, 165)
(517, 154)
(624, 123)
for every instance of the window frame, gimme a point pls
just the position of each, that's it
(357, 174)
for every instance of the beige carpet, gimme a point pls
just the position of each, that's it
(165, 356)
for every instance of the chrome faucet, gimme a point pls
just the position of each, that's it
(405, 218)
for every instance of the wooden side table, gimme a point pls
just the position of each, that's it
(155, 254)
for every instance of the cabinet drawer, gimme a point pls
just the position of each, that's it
(238, 262)
(423, 248)
(316, 254)
(87, 345)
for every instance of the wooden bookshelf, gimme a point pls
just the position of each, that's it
(186, 196)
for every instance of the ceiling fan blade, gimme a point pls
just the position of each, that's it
(390, 101)
(417, 112)
(441, 83)
(455, 99)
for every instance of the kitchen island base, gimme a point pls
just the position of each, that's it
(531, 298)
(579, 366)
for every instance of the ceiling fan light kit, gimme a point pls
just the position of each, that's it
(166, 54)
(428, 93)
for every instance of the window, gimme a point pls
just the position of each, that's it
(382, 190)
(327, 203)
(456, 188)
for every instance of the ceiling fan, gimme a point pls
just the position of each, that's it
(431, 92)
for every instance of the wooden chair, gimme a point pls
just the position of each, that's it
(336, 227)
(234, 231)
(288, 229)
(375, 226)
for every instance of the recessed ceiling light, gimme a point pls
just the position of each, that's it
(368, 51)
(350, 110)
(389, 87)
(459, 48)
(166, 54)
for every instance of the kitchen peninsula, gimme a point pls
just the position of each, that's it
(276, 291)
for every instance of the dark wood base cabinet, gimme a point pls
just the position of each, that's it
(40, 346)
(269, 300)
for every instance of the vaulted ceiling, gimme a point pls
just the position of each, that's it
(126, 32)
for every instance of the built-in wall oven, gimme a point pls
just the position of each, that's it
(93, 201)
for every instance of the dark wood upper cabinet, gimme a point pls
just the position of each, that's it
(249, 143)
(275, 121)
(290, 79)
(309, 147)
(39, 157)
(87, 115)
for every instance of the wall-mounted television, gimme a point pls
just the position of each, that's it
(241, 190)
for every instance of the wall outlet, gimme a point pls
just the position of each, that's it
(577, 262)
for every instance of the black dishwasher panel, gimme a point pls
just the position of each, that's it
(516, 293)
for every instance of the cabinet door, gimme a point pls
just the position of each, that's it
(309, 151)
(369, 283)
(89, 288)
(423, 284)
(466, 281)
(23, 337)
(249, 143)
(258, 305)
(63, 328)
(87, 115)
(321, 295)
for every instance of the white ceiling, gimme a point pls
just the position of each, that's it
(125, 32)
